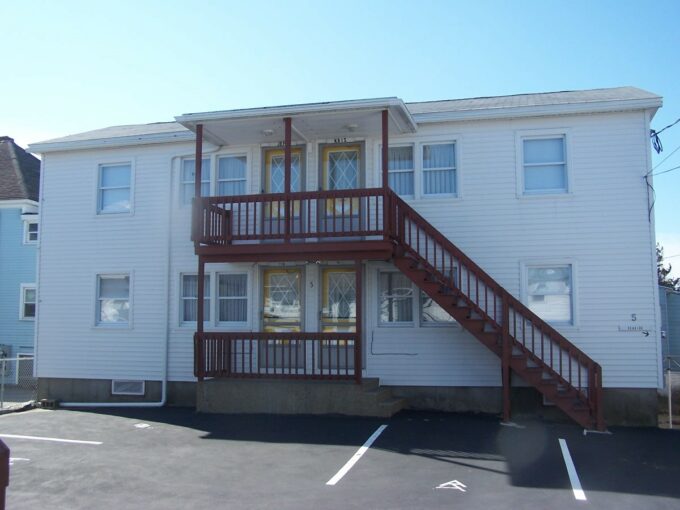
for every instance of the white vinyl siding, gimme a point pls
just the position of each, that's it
(189, 298)
(401, 170)
(545, 165)
(27, 301)
(231, 177)
(439, 169)
(549, 292)
(113, 299)
(187, 186)
(232, 297)
(114, 189)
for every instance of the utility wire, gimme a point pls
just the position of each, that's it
(666, 171)
(656, 141)
(664, 159)
(664, 129)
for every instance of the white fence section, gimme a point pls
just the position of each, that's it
(17, 384)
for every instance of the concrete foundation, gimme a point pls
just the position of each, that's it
(296, 397)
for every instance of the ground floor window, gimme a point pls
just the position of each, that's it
(28, 301)
(550, 292)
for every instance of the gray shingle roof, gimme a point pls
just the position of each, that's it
(539, 99)
(19, 172)
(131, 130)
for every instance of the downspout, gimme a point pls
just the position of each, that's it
(164, 380)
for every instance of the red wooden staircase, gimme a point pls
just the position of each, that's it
(527, 345)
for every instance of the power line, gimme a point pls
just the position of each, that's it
(664, 129)
(656, 141)
(664, 159)
(666, 171)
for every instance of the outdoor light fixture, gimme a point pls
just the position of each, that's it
(351, 127)
(267, 132)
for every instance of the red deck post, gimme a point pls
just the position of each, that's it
(385, 176)
(199, 317)
(505, 361)
(358, 344)
(287, 163)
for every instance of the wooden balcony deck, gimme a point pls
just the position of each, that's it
(317, 225)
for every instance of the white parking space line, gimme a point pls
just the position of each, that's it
(355, 458)
(571, 470)
(53, 439)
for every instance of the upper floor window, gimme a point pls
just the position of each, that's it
(439, 169)
(113, 299)
(113, 195)
(28, 301)
(549, 292)
(231, 176)
(544, 165)
(189, 176)
(401, 170)
(31, 232)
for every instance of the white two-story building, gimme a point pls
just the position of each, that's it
(457, 253)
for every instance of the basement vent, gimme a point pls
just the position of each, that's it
(121, 387)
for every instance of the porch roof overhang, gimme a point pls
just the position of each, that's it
(314, 121)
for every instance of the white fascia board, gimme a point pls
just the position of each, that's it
(190, 120)
(120, 141)
(539, 111)
(23, 203)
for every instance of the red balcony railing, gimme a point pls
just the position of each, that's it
(352, 213)
(281, 355)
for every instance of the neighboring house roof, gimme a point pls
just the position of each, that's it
(520, 105)
(19, 172)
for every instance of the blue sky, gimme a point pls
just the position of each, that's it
(72, 66)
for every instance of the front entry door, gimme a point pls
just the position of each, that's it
(338, 315)
(282, 313)
(341, 170)
(274, 182)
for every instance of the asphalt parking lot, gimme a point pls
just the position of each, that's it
(175, 458)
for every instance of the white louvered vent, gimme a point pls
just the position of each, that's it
(121, 387)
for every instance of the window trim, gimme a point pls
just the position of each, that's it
(182, 182)
(218, 298)
(27, 224)
(215, 185)
(550, 262)
(181, 298)
(22, 301)
(538, 134)
(456, 157)
(97, 306)
(97, 199)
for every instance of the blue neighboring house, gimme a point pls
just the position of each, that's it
(19, 238)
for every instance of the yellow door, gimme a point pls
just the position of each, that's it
(274, 179)
(338, 315)
(341, 165)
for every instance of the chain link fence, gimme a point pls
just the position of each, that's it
(670, 412)
(18, 387)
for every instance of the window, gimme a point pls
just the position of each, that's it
(189, 298)
(232, 296)
(231, 178)
(396, 299)
(114, 189)
(549, 293)
(189, 176)
(545, 165)
(30, 232)
(432, 314)
(28, 301)
(400, 170)
(439, 169)
(113, 299)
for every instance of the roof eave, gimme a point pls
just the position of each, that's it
(101, 143)
(539, 111)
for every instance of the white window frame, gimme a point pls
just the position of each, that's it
(218, 298)
(211, 297)
(413, 169)
(551, 263)
(98, 188)
(27, 232)
(183, 183)
(22, 301)
(216, 172)
(415, 296)
(456, 157)
(98, 324)
(543, 134)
